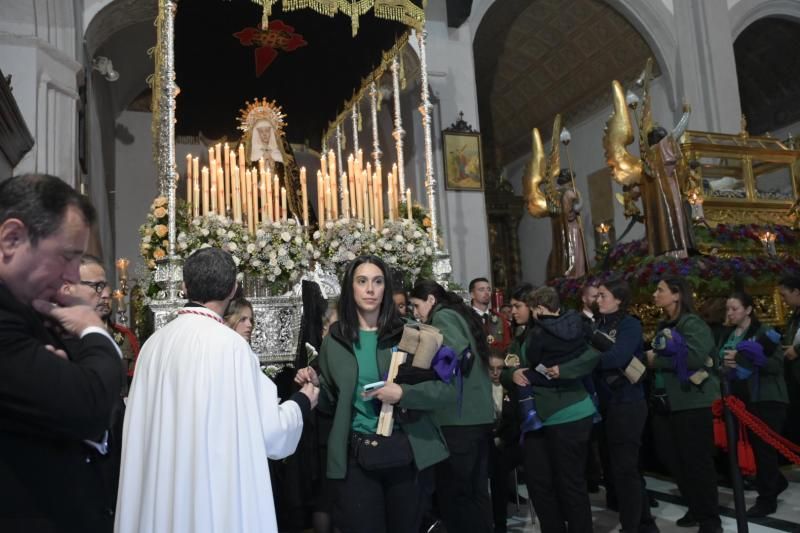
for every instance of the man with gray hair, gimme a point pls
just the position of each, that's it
(202, 419)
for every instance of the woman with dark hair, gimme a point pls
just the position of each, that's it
(462, 480)
(384, 482)
(752, 359)
(239, 317)
(684, 388)
(622, 404)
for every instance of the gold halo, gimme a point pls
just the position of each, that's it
(261, 110)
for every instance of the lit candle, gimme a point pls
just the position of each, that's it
(254, 193)
(334, 185)
(248, 199)
(283, 204)
(236, 200)
(227, 169)
(122, 268)
(262, 189)
(270, 212)
(345, 196)
(119, 298)
(320, 199)
(196, 186)
(220, 188)
(359, 196)
(241, 161)
(390, 199)
(328, 208)
(276, 191)
(360, 158)
(304, 192)
(211, 157)
(204, 174)
(214, 196)
(409, 213)
(189, 182)
(217, 152)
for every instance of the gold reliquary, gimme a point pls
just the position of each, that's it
(742, 179)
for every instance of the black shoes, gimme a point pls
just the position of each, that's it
(761, 509)
(686, 520)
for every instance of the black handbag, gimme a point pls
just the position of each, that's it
(376, 452)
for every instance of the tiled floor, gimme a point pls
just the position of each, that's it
(786, 519)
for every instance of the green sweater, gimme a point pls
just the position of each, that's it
(700, 341)
(338, 381)
(569, 388)
(476, 402)
(517, 348)
(789, 335)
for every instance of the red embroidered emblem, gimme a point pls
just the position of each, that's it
(278, 36)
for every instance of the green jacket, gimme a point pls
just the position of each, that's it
(517, 348)
(569, 388)
(338, 377)
(700, 341)
(771, 384)
(792, 367)
(476, 401)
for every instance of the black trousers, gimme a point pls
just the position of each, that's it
(623, 424)
(382, 501)
(502, 460)
(462, 480)
(555, 467)
(769, 480)
(684, 442)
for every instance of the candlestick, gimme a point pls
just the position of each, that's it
(204, 174)
(236, 200)
(227, 169)
(196, 186)
(248, 198)
(241, 161)
(326, 180)
(409, 212)
(213, 193)
(379, 192)
(262, 189)
(276, 191)
(304, 193)
(119, 300)
(334, 186)
(320, 199)
(351, 202)
(390, 198)
(221, 189)
(189, 182)
(359, 195)
(283, 204)
(270, 209)
(254, 194)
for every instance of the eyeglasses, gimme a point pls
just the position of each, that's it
(98, 286)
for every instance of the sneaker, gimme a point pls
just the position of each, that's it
(761, 509)
(686, 520)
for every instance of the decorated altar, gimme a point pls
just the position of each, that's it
(283, 222)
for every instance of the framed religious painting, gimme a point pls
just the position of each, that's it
(463, 165)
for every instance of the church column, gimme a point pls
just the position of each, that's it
(451, 76)
(39, 47)
(706, 65)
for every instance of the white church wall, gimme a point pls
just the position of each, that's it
(451, 73)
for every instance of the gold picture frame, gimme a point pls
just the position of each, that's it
(463, 161)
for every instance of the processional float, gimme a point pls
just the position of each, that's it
(254, 196)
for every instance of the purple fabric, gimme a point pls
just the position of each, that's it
(445, 363)
(676, 349)
(753, 351)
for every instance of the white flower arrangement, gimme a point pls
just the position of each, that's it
(279, 252)
(405, 246)
(340, 241)
(213, 230)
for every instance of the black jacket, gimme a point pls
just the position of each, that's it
(553, 340)
(48, 406)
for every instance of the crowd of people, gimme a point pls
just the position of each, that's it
(405, 409)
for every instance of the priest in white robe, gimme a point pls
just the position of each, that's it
(202, 420)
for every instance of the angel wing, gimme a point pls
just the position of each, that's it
(625, 167)
(534, 197)
(553, 167)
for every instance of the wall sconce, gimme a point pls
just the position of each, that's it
(104, 66)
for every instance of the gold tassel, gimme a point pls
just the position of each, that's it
(360, 122)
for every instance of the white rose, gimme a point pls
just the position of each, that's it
(317, 254)
(281, 251)
(350, 256)
(286, 236)
(398, 238)
(205, 245)
(236, 260)
(329, 225)
(289, 264)
(388, 246)
(417, 234)
(276, 271)
(410, 248)
(251, 248)
(316, 235)
(221, 232)
(232, 247)
(204, 232)
(334, 244)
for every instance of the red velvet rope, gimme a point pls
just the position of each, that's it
(786, 447)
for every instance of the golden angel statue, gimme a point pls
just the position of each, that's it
(656, 174)
(550, 192)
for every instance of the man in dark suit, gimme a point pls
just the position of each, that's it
(55, 406)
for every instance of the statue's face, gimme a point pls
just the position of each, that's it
(264, 142)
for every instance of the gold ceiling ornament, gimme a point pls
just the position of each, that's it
(261, 110)
(403, 11)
